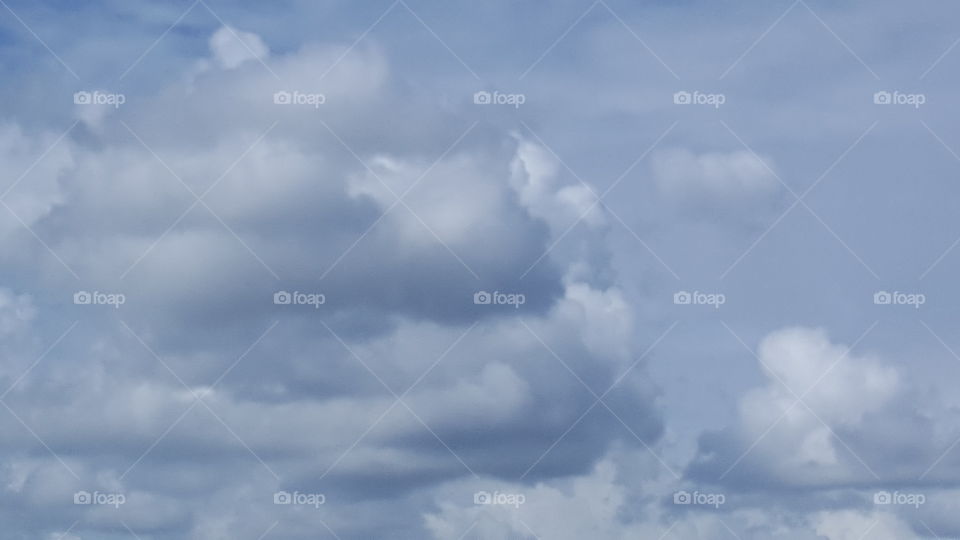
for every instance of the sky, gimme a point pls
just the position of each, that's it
(495, 270)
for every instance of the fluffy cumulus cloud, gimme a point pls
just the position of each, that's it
(231, 47)
(837, 390)
(273, 273)
(535, 175)
(392, 378)
(789, 430)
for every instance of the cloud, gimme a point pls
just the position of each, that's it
(535, 176)
(713, 180)
(862, 424)
(33, 187)
(320, 205)
(16, 312)
(304, 197)
(618, 500)
(588, 506)
(797, 443)
(853, 525)
(232, 47)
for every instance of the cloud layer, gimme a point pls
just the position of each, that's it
(381, 271)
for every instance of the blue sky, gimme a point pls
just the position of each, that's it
(490, 270)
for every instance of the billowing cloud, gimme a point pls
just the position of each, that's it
(399, 372)
(270, 272)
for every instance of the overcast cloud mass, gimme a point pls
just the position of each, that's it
(495, 270)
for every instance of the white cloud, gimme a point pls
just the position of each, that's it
(231, 47)
(855, 525)
(839, 387)
(458, 198)
(713, 178)
(587, 507)
(535, 176)
(38, 189)
(299, 199)
(833, 437)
